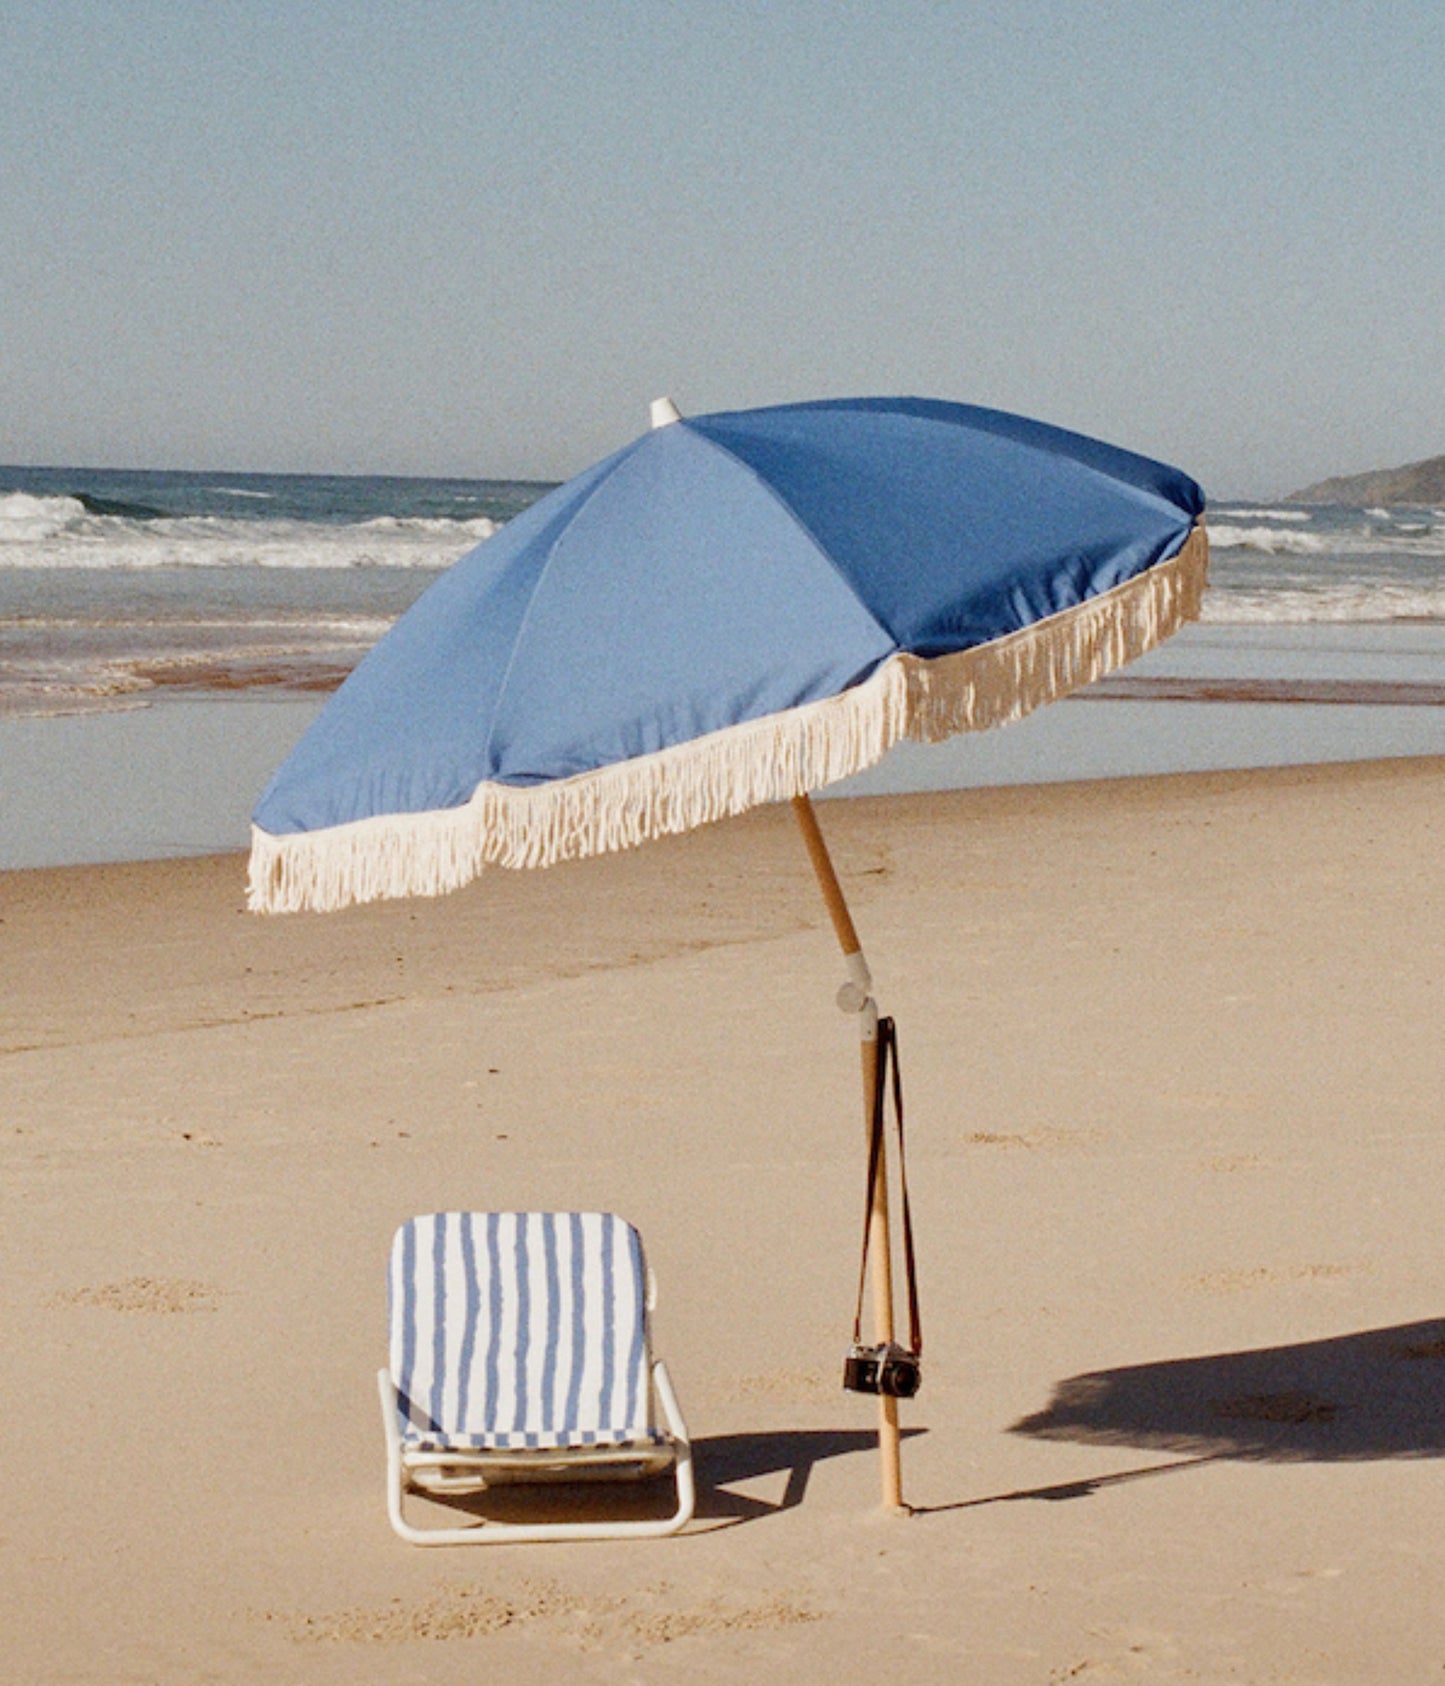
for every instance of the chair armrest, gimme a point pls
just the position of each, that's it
(671, 1412)
(389, 1401)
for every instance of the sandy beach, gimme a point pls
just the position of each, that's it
(1173, 1063)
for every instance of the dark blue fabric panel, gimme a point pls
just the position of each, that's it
(1171, 485)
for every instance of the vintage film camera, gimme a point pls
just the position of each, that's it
(887, 1369)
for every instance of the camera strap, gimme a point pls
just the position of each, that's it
(889, 1080)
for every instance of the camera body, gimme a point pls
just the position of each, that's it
(888, 1369)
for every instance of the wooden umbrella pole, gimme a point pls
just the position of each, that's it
(856, 997)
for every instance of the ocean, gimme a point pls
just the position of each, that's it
(120, 589)
(164, 637)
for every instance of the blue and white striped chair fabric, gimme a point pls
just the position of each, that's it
(520, 1330)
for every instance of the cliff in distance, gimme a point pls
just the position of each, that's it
(1416, 482)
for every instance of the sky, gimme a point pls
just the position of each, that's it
(457, 237)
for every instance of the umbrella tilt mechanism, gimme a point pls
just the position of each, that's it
(856, 996)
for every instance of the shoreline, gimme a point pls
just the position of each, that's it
(181, 777)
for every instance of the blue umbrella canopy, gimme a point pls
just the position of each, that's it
(733, 609)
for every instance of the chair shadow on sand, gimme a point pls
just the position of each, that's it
(1379, 1393)
(720, 1462)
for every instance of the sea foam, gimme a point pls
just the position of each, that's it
(28, 519)
(1252, 514)
(1336, 604)
(60, 532)
(1272, 541)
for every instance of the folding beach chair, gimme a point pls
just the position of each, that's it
(520, 1354)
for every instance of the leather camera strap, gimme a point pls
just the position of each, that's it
(889, 1078)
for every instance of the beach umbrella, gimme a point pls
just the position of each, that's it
(734, 609)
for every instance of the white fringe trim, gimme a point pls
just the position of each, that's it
(728, 772)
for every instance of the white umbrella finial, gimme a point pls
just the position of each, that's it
(664, 411)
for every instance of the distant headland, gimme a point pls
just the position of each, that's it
(1416, 482)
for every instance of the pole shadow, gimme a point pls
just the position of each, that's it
(1060, 1491)
(720, 1460)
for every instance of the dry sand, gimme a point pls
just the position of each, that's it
(1173, 1060)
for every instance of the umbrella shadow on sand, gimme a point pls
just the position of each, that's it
(1379, 1393)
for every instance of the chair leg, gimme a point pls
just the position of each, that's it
(395, 1474)
(682, 1469)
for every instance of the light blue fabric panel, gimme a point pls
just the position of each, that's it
(651, 627)
(520, 1329)
(408, 729)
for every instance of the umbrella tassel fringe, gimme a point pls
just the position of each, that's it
(728, 772)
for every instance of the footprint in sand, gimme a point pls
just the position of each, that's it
(459, 1613)
(145, 1294)
(649, 1616)
(714, 1616)
(1263, 1276)
(787, 1384)
(1230, 1164)
(1034, 1141)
